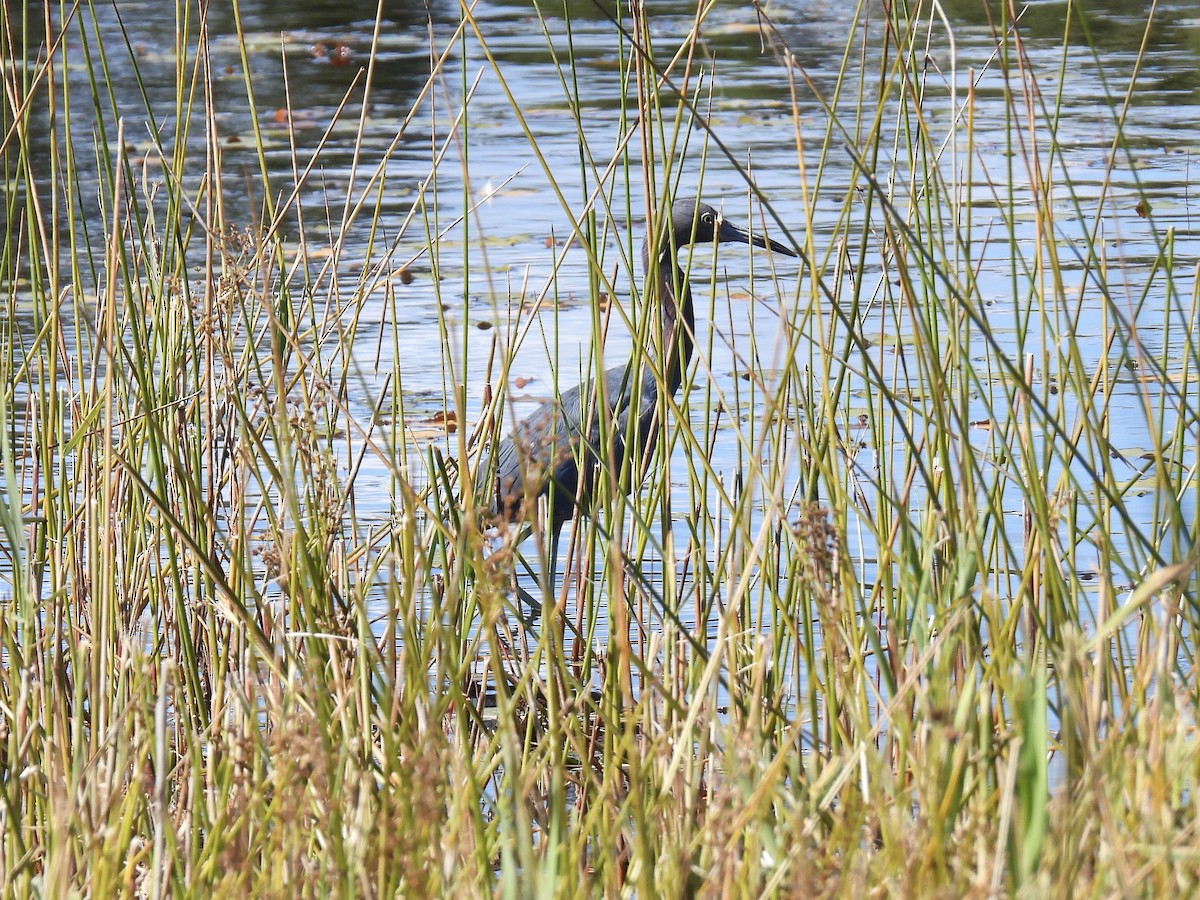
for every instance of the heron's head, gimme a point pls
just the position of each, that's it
(694, 222)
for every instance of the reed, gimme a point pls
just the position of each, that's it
(898, 608)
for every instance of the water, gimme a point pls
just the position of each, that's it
(511, 247)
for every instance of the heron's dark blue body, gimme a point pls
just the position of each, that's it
(547, 448)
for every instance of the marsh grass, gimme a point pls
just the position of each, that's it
(884, 616)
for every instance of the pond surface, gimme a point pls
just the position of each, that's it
(517, 170)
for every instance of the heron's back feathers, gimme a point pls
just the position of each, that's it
(549, 448)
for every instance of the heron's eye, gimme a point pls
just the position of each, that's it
(707, 218)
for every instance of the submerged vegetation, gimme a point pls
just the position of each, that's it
(905, 604)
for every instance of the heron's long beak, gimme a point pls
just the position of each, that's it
(730, 232)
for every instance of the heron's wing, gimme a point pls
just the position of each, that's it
(552, 444)
(541, 448)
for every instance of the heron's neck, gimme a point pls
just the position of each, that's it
(676, 334)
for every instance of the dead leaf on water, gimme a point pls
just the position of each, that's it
(440, 423)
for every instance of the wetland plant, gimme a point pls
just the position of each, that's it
(905, 604)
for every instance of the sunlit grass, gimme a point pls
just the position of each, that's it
(897, 608)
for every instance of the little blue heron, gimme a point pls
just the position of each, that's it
(549, 447)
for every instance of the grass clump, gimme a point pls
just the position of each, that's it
(904, 604)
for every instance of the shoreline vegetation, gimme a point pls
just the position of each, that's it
(926, 628)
